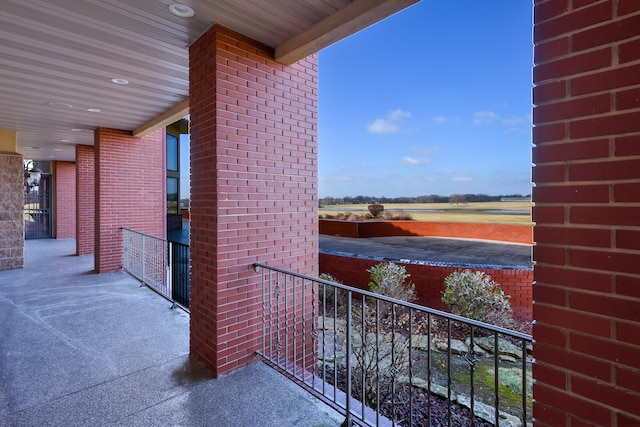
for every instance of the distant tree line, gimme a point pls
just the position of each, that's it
(432, 198)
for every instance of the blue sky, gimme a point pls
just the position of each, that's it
(433, 100)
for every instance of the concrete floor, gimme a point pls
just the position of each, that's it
(456, 252)
(82, 349)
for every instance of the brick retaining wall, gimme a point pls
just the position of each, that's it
(498, 232)
(429, 279)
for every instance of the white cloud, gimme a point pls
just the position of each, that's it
(462, 179)
(388, 124)
(424, 150)
(415, 161)
(440, 119)
(512, 124)
(484, 118)
(423, 158)
(515, 121)
(381, 126)
(397, 114)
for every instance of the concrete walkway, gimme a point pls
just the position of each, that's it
(82, 349)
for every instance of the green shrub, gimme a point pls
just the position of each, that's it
(388, 279)
(329, 278)
(327, 293)
(380, 351)
(473, 294)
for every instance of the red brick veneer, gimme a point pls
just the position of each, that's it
(587, 208)
(65, 200)
(130, 191)
(85, 200)
(253, 187)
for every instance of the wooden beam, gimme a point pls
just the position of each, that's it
(173, 114)
(352, 18)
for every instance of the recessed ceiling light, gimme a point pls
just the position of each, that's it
(65, 140)
(75, 130)
(57, 149)
(119, 81)
(61, 105)
(93, 110)
(181, 10)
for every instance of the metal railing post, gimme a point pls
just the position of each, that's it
(347, 421)
(161, 265)
(144, 261)
(344, 382)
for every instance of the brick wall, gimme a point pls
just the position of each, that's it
(130, 191)
(85, 200)
(501, 232)
(253, 187)
(587, 209)
(65, 200)
(11, 212)
(429, 280)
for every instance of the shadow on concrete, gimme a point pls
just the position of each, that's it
(80, 349)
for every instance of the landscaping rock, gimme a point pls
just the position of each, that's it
(433, 387)
(330, 323)
(507, 358)
(332, 350)
(479, 351)
(504, 346)
(422, 342)
(457, 347)
(487, 413)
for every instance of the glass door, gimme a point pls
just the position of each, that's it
(37, 210)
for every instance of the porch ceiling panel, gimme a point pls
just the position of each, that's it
(66, 51)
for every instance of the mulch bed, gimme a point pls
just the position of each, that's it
(413, 406)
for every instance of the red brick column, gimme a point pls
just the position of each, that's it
(65, 200)
(587, 211)
(85, 200)
(130, 191)
(253, 187)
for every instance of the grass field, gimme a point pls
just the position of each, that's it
(480, 212)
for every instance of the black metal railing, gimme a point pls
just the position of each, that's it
(179, 264)
(382, 361)
(159, 264)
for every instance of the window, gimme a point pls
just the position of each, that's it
(172, 153)
(173, 203)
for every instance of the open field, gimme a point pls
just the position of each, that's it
(482, 212)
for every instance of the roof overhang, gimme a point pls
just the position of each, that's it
(59, 59)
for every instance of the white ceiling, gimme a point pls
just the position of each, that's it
(66, 51)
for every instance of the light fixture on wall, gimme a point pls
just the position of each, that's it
(32, 174)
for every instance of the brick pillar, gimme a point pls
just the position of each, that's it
(130, 191)
(85, 200)
(65, 200)
(11, 211)
(253, 187)
(587, 212)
